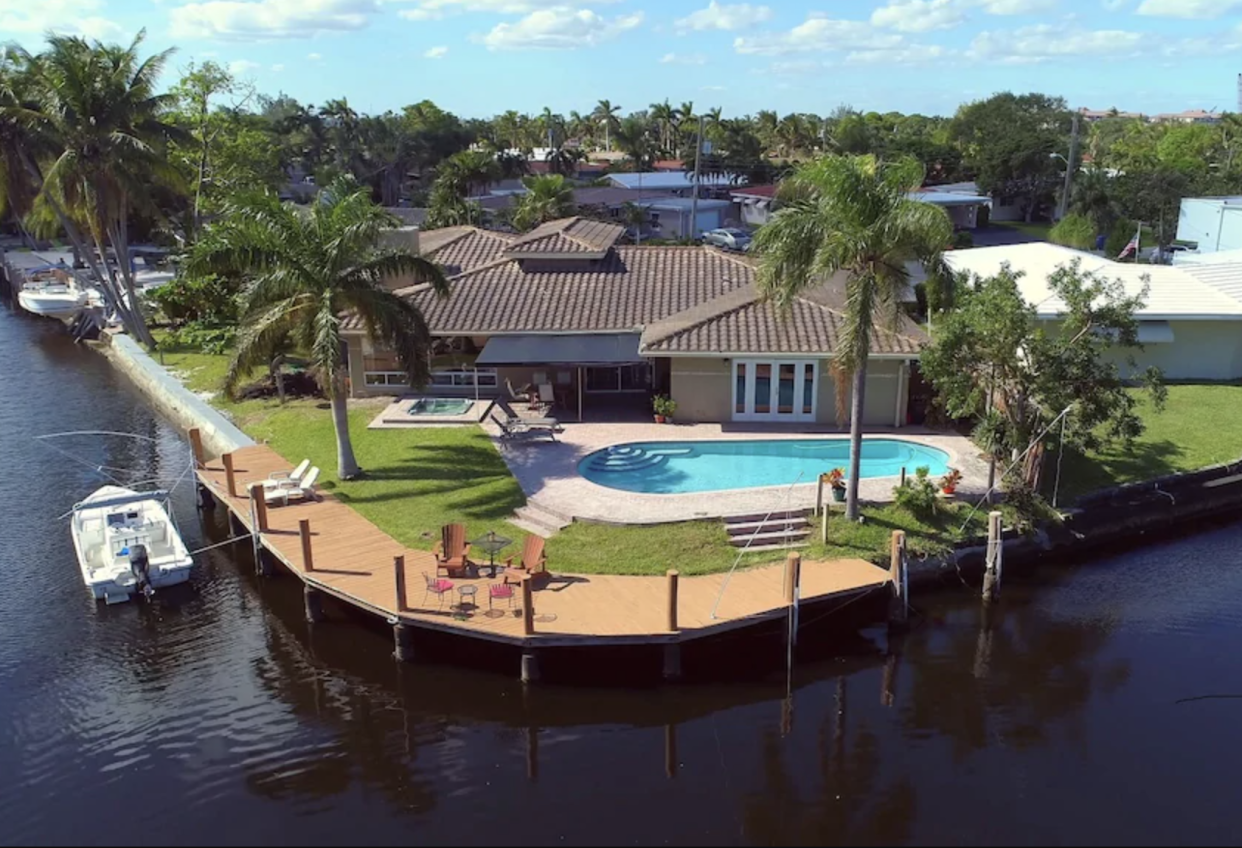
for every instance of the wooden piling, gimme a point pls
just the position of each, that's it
(672, 599)
(819, 495)
(230, 478)
(255, 491)
(902, 482)
(793, 568)
(196, 447)
(313, 602)
(992, 572)
(670, 751)
(898, 606)
(530, 666)
(672, 662)
(528, 611)
(398, 568)
(403, 642)
(308, 560)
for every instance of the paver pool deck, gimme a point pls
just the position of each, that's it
(548, 471)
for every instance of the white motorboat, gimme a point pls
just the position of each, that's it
(126, 542)
(53, 298)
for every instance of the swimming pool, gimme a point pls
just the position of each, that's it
(441, 406)
(667, 468)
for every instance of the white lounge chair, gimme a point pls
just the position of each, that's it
(302, 490)
(283, 478)
(517, 427)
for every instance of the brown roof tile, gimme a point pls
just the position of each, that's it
(461, 249)
(572, 236)
(742, 322)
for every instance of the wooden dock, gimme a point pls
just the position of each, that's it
(352, 559)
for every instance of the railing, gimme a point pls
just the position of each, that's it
(454, 378)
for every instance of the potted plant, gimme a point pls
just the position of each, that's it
(670, 407)
(836, 479)
(658, 405)
(948, 483)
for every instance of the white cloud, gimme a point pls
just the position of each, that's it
(559, 28)
(255, 20)
(792, 67)
(1016, 7)
(428, 10)
(911, 54)
(728, 18)
(918, 15)
(277, 68)
(683, 59)
(436, 53)
(69, 17)
(1041, 42)
(821, 34)
(1195, 9)
(314, 57)
(1113, 5)
(242, 67)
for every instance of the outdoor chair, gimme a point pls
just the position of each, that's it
(452, 552)
(533, 561)
(437, 586)
(547, 396)
(500, 590)
(278, 478)
(300, 490)
(519, 427)
(522, 396)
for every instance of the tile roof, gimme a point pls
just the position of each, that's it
(462, 249)
(572, 236)
(630, 288)
(741, 321)
(755, 191)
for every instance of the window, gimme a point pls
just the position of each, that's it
(464, 377)
(763, 388)
(739, 405)
(622, 378)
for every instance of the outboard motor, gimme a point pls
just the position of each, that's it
(140, 566)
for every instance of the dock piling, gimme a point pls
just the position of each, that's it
(313, 599)
(196, 447)
(403, 642)
(528, 609)
(205, 499)
(230, 478)
(672, 662)
(898, 605)
(255, 491)
(992, 574)
(530, 666)
(398, 568)
(672, 599)
(308, 560)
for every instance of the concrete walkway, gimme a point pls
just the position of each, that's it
(548, 472)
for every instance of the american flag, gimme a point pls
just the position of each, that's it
(1132, 245)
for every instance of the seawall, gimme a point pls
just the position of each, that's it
(170, 397)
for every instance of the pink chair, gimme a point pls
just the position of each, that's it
(437, 586)
(500, 590)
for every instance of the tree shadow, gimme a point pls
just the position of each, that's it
(1116, 464)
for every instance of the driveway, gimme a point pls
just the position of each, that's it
(994, 236)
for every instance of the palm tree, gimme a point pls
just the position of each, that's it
(468, 172)
(605, 114)
(851, 215)
(306, 269)
(547, 198)
(100, 117)
(666, 118)
(1094, 195)
(634, 140)
(564, 160)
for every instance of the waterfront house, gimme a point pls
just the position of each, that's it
(609, 324)
(755, 204)
(1190, 327)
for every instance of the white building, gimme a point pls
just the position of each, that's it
(672, 215)
(1190, 327)
(1213, 223)
(961, 201)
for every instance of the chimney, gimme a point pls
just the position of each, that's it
(401, 237)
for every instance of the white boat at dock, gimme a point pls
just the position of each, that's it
(127, 542)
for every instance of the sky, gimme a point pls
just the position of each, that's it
(481, 57)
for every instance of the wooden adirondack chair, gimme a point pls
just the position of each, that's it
(452, 552)
(532, 560)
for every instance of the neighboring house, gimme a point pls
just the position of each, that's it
(672, 215)
(754, 204)
(1190, 116)
(1093, 115)
(680, 183)
(1213, 223)
(608, 324)
(1190, 327)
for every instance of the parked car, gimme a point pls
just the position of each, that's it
(729, 238)
(1163, 256)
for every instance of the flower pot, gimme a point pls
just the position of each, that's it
(838, 494)
(948, 490)
(668, 419)
(659, 419)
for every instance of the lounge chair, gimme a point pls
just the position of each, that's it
(519, 427)
(303, 489)
(547, 396)
(452, 552)
(514, 394)
(533, 561)
(284, 478)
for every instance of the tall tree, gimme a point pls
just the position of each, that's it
(633, 138)
(305, 271)
(605, 115)
(547, 198)
(851, 215)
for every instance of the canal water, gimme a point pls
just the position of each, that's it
(215, 715)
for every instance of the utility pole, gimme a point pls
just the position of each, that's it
(1069, 169)
(694, 203)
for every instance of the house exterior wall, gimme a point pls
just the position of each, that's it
(751, 213)
(1200, 350)
(1006, 209)
(701, 388)
(1212, 223)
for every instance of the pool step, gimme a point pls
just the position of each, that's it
(539, 520)
(784, 529)
(634, 463)
(790, 525)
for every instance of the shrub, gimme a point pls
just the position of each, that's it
(918, 494)
(1123, 230)
(210, 338)
(1074, 231)
(205, 299)
(962, 239)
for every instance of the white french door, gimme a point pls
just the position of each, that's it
(775, 389)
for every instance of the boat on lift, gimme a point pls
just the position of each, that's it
(51, 291)
(127, 543)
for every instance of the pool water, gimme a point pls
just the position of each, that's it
(667, 468)
(441, 406)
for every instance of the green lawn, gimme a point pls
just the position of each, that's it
(1035, 229)
(1199, 426)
